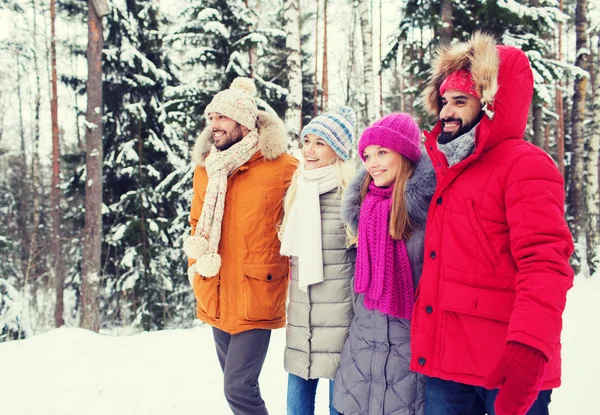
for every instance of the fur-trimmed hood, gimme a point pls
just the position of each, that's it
(419, 190)
(503, 78)
(272, 139)
(479, 56)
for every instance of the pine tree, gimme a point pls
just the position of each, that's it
(575, 189)
(366, 30)
(143, 158)
(11, 281)
(310, 89)
(213, 40)
(592, 201)
(293, 113)
(11, 219)
(271, 69)
(527, 27)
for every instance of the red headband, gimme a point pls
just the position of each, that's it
(461, 80)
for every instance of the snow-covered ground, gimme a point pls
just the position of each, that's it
(175, 372)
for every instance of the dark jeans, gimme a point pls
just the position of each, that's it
(241, 357)
(444, 397)
(301, 395)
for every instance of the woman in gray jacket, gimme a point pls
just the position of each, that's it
(387, 206)
(322, 266)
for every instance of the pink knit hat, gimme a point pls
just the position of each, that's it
(396, 131)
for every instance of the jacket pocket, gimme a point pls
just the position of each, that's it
(475, 323)
(482, 302)
(206, 291)
(490, 253)
(265, 289)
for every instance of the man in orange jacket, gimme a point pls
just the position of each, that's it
(236, 271)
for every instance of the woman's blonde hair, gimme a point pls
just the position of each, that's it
(344, 170)
(400, 224)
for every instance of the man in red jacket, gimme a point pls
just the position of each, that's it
(487, 321)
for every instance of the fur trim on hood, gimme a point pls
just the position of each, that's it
(419, 190)
(479, 56)
(272, 139)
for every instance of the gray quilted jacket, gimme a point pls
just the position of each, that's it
(374, 376)
(318, 321)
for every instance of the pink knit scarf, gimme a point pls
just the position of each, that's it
(383, 272)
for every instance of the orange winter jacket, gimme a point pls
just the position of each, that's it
(251, 287)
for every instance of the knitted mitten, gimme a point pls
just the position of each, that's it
(518, 374)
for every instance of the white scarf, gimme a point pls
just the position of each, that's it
(204, 243)
(302, 236)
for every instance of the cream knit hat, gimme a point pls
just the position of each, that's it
(237, 103)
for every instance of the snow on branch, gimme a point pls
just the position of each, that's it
(549, 15)
(209, 14)
(252, 39)
(217, 28)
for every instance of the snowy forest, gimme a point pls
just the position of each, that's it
(101, 101)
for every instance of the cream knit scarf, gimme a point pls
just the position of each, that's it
(204, 242)
(302, 236)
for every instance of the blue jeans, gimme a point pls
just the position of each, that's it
(301, 396)
(444, 397)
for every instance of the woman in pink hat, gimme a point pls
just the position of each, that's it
(386, 205)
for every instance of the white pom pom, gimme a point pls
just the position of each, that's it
(208, 265)
(245, 84)
(347, 113)
(191, 274)
(195, 246)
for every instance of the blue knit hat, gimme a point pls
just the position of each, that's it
(336, 127)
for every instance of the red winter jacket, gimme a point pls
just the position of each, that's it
(497, 246)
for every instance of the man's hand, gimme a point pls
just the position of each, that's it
(518, 374)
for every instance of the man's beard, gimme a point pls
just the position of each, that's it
(447, 136)
(231, 138)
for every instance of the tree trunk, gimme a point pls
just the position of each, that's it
(447, 30)
(316, 86)
(23, 192)
(90, 314)
(591, 69)
(400, 70)
(560, 124)
(75, 98)
(380, 59)
(547, 135)
(21, 123)
(293, 114)
(325, 82)
(591, 188)
(560, 129)
(250, 51)
(351, 58)
(538, 125)
(539, 132)
(147, 313)
(576, 172)
(35, 162)
(367, 43)
(55, 192)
